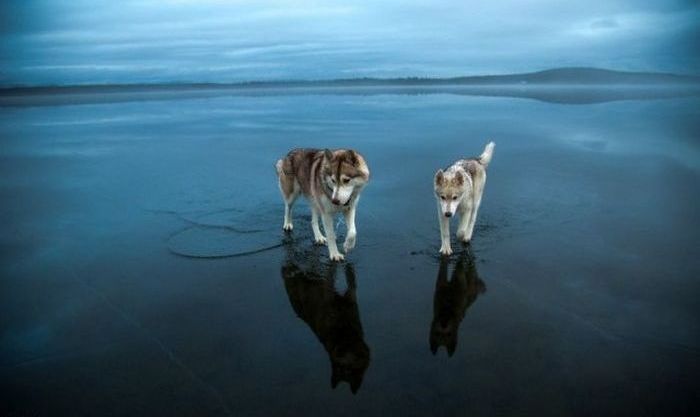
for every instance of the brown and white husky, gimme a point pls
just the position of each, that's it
(458, 189)
(332, 182)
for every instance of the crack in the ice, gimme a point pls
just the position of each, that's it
(161, 346)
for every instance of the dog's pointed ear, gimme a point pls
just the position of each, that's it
(353, 156)
(334, 379)
(459, 178)
(433, 345)
(439, 177)
(355, 383)
(328, 154)
(451, 346)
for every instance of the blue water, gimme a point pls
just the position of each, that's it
(129, 287)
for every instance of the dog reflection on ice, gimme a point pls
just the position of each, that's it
(332, 316)
(452, 299)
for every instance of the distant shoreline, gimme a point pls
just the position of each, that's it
(311, 85)
(560, 94)
(555, 78)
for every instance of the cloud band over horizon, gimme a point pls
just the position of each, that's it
(84, 42)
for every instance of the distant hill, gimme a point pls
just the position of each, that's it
(582, 75)
(557, 76)
(561, 85)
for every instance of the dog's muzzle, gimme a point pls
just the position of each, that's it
(337, 202)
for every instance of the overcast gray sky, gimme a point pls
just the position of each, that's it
(96, 41)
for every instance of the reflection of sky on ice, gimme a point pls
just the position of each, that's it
(584, 237)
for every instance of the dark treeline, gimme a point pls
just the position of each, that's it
(559, 76)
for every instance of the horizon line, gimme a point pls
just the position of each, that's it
(301, 81)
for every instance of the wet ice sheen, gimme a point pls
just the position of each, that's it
(578, 295)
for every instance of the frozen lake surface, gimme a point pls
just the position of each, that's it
(144, 269)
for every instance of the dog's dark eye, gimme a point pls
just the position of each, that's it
(332, 180)
(454, 198)
(442, 196)
(346, 180)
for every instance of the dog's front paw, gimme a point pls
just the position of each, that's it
(337, 257)
(288, 227)
(349, 243)
(445, 250)
(320, 240)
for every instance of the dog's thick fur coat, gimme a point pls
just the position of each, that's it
(332, 182)
(458, 190)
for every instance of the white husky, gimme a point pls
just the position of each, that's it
(458, 189)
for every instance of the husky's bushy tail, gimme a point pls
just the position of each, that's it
(278, 167)
(485, 157)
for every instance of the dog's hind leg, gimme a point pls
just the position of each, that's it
(290, 191)
(318, 237)
(288, 203)
(478, 192)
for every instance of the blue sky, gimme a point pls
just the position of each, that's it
(82, 42)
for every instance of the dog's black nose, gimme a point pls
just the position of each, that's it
(336, 201)
(448, 214)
